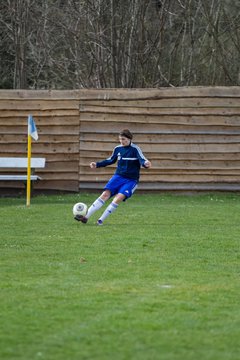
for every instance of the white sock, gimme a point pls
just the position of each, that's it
(94, 207)
(109, 210)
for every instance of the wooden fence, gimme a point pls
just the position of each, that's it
(191, 135)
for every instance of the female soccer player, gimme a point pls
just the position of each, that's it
(124, 182)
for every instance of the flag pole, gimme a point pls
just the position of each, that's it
(29, 170)
(32, 133)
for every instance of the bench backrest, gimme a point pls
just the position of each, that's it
(14, 162)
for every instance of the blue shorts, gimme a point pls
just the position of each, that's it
(119, 184)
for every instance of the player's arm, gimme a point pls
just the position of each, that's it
(111, 160)
(93, 165)
(147, 164)
(142, 159)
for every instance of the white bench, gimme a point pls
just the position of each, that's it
(20, 163)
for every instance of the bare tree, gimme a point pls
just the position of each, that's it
(16, 22)
(119, 43)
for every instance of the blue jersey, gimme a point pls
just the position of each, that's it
(129, 161)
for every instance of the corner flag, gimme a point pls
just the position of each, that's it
(32, 130)
(32, 133)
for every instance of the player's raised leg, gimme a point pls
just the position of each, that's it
(111, 208)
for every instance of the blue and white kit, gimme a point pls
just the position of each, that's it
(129, 161)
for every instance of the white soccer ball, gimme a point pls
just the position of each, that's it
(80, 209)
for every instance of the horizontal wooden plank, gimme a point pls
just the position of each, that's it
(36, 113)
(173, 186)
(160, 111)
(44, 185)
(170, 178)
(154, 172)
(62, 166)
(170, 102)
(169, 148)
(177, 164)
(189, 187)
(48, 130)
(12, 185)
(90, 121)
(196, 165)
(51, 138)
(63, 157)
(41, 105)
(38, 147)
(165, 138)
(41, 120)
(41, 94)
(58, 184)
(51, 157)
(105, 93)
(88, 155)
(58, 175)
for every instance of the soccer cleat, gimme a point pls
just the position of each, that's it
(99, 222)
(81, 218)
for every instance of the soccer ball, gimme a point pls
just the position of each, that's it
(80, 209)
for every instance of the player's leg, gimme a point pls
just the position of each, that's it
(126, 190)
(96, 205)
(111, 207)
(110, 189)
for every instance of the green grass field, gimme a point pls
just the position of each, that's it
(160, 280)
